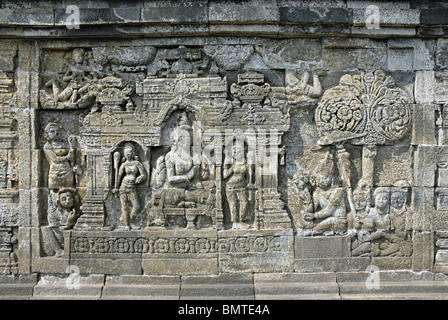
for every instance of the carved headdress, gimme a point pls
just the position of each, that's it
(326, 166)
(382, 190)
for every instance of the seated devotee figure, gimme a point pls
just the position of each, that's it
(329, 200)
(399, 241)
(303, 201)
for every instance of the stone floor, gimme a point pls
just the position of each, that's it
(385, 285)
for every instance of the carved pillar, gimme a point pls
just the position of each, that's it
(219, 217)
(93, 207)
(369, 152)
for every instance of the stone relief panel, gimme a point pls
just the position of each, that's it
(440, 100)
(63, 165)
(182, 139)
(441, 246)
(145, 137)
(67, 79)
(351, 191)
(9, 161)
(441, 187)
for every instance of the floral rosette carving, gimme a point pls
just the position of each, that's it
(80, 245)
(141, 245)
(101, 246)
(162, 246)
(242, 245)
(182, 246)
(276, 244)
(224, 245)
(261, 244)
(366, 108)
(202, 245)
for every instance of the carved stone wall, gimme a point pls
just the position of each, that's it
(206, 137)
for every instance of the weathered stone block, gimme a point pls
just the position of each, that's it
(320, 30)
(441, 56)
(264, 11)
(331, 16)
(17, 287)
(92, 252)
(387, 16)
(255, 251)
(331, 264)
(223, 286)
(238, 30)
(424, 128)
(381, 284)
(384, 32)
(9, 52)
(441, 205)
(290, 53)
(25, 253)
(72, 286)
(433, 16)
(315, 4)
(31, 17)
(432, 31)
(318, 253)
(423, 200)
(41, 263)
(383, 5)
(97, 16)
(101, 4)
(423, 250)
(424, 87)
(392, 263)
(284, 286)
(141, 287)
(399, 58)
(394, 165)
(321, 247)
(346, 53)
(176, 14)
(180, 252)
(425, 166)
(418, 54)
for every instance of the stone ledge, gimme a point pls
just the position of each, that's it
(214, 18)
(58, 287)
(391, 285)
(99, 16)
(288, 286)
(223, 286)
(141, 287)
